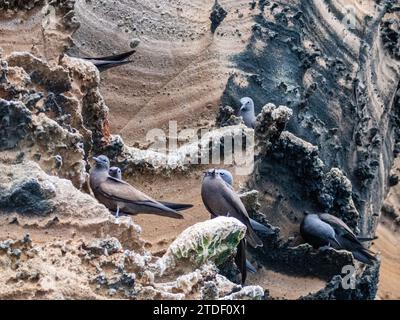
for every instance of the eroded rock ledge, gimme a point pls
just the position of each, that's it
(105, 257)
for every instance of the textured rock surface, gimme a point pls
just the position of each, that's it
(47, 120)
(210, 241)
(330, 148)
(199, 151)
(92, 264)
(20, 4)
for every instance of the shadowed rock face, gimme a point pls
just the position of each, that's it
(218, 14)
(20, 4)
(14, 119)
(302, 56)
(28, 197)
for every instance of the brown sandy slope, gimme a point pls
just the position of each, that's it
(389, 246)
(180, 67)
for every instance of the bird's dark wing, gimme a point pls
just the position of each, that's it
(359, 252)
(176, 206)
(234, 201)
(340, 227)
(260, 227)
(121, 191)
(348, 239)
(104, 65)
(239, 212)
(117, 57)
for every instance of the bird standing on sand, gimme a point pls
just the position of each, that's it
(324, 229)
(104, 63)
(117, 195)
(247, 112)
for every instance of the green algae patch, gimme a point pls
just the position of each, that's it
(212, 241)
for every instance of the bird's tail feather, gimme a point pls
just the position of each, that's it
(116, 57)
(261, 228)
(152, 207)
(177, 206)
(240, 259)
(250, 267)
(364, 255)
(102, 66)
(253, 239)
(366, 239)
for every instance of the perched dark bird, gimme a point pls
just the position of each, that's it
(221, 200)
(118, 195)
(104, 63)
(327, 230)
(228, 179)
(317, 232)
(247, 112)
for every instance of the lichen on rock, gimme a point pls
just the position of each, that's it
(210, 241)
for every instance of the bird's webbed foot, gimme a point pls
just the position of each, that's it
(117, 213)
(326, 247)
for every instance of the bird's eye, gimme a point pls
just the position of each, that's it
(222, 173)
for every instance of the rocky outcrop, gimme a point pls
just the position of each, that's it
(342, 100)
(218, 14)
(20, 4)
(105, 257)
(210, 241)
(196, 152)
(363, 287)
(47, 120)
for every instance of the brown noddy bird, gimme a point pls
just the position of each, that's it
(327, 230)
(221, 200)
(118, 195)
(247, 112)
(228, 178)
